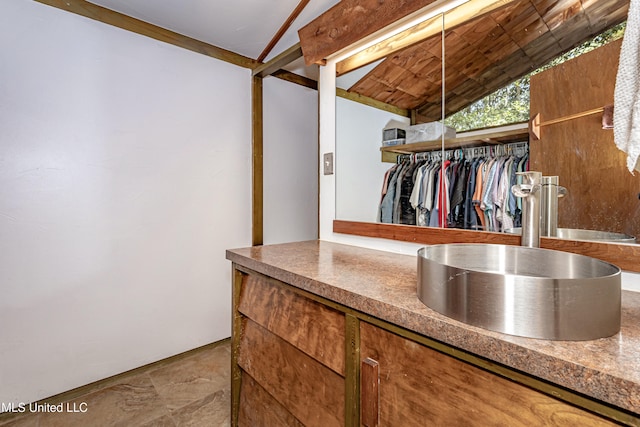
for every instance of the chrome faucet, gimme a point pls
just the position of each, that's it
(530, 190)
(551, 192)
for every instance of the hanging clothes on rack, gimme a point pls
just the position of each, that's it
(406, 214)
(460, 173)
(467, 188)
(470, 221)
(388, 194)
(423, 193)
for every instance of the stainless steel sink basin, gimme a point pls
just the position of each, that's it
(591, 235)
(530, 292)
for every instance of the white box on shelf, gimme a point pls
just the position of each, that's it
(429, 132)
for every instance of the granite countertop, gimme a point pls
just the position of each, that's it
(383, 285)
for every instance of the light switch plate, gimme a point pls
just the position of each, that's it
(328, 163)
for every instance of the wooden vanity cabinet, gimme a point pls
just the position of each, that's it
(415, 385)
(299, 360)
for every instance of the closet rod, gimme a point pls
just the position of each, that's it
(607, 111)
(484, 150)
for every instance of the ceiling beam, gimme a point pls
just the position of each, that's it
(283, 29)
(296, 78)
(350, 21)
(352, 96)
(420, 32)
(116, 19)
(285, 58)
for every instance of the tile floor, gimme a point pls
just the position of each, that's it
(192, 390)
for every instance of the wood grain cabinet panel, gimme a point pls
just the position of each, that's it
(316, 329)
(312, 393)
(421, 386)
(259, 409)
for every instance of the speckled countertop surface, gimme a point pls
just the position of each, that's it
(383, 285)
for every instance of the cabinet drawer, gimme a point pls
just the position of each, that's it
(259, 408)
(311, 392)
(317, 330)
(417, 385)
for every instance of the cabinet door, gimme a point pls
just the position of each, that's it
(310, 391)
(419, 386)
(290, 358)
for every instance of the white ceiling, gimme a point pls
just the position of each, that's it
(241, 26)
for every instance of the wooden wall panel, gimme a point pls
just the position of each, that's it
(602, 194)
(313, 393)
(317, 330)
(420, 386)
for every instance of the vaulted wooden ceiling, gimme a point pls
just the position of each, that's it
(485, 53)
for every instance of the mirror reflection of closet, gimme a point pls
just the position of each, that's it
(359, 171)
(359, 127)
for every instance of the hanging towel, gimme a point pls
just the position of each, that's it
(626, 123)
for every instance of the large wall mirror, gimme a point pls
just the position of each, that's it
(480, 56)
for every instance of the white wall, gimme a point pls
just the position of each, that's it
(359, 169)
(328, 112)
(290, 162)
(124, 176)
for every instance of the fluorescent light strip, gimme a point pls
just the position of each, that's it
(436, 8)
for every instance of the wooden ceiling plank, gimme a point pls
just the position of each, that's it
(414, 85)
(557, 18)
(604, 14)
(402, 98)
(395, 75)
(544, 6)
(428, 66)
(475, 67)
(569, 39)
(517, 65)
(530, 33)
(408, 58)
(283, 29)
(454, 79)
(557, 7)
(541, 48)
(519, 17)
(501, 47)
(478, 29)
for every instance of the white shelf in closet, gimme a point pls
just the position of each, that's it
(518, 132)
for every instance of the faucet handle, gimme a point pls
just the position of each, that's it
(531, 177)
(523, 190)
(530, 184)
